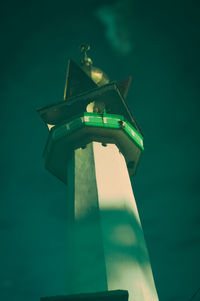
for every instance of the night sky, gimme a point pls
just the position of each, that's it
(157, 43)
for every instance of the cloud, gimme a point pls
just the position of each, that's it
(116, 18)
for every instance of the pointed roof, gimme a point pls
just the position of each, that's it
(77, 81)
(80, 90)
(124, 85)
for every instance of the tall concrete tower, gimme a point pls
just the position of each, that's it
(94, 146)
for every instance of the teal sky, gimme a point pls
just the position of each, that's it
(157, 42)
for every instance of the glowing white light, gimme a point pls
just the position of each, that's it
(87, 118)
(50, 126)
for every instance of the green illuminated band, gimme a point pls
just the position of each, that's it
(100, 121)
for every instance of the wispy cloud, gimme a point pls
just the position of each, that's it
(115, 18)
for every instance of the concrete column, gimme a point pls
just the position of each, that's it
(87, 266)
(109, 250)
(126, 256)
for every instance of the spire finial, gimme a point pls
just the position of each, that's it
(86, 61)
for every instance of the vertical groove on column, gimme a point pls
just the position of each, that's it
(89, 258)
(70, 225)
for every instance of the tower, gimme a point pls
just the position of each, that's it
(94, 146)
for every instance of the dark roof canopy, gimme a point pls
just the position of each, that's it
(80, 90)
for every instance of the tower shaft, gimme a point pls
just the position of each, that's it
(108, 249)
(106, 246)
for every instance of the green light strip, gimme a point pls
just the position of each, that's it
(97, 120)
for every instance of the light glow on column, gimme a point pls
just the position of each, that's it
(111, 169)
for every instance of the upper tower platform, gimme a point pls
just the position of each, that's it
(93, 109)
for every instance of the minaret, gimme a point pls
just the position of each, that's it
(94, 146)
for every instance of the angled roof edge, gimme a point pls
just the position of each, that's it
(88, 94)
(124, 85)
(77, 80)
